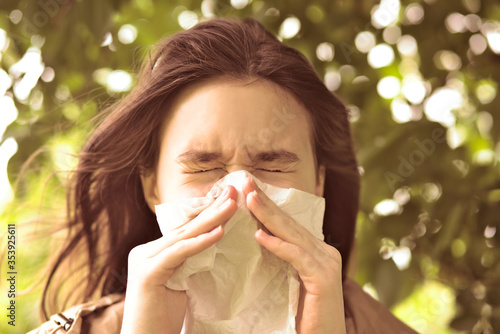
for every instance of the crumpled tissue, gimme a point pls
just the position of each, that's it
(235, 285)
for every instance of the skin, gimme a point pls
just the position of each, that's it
(218, 127)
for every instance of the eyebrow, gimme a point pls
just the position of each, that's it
(198, 156)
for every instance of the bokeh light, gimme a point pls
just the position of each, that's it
(486, 91)
(414, 13)
(455, 23)
(3, 40)
(456, 136)
(239, 4)
(289, 28)
(387, 207)
(32, 67)
(438, 107)
(401, 111)
(413, 88)
(380, 56)
(7, 149)
(389, 87)
(447, 60)
(478, 44)
(365, 41)
(325, 51)
(391, 34)
(407, 46)
(119, 81)
(386, 13)
(127, 34)
(332, 80)
(187, 19)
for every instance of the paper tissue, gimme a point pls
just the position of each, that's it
(237, 286)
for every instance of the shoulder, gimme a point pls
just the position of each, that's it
(101, 316)
(366, 315)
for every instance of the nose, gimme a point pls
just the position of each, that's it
(237, 167)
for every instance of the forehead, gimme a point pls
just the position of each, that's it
(228, 115)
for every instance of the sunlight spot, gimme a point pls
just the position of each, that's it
(447, 60)
(290, 27)
(187, 19)
(431, 192)
(456, 135)
(402, 257)
(387, 207)
(388, 87)
(48, 74)
(119, 81)
(385, 13)
(407, 45)
(438, 107)
(16, 16)
(478, 44)
(32, 67)
(239, 4)
(9, 113)
(380, 56)
(484, 123)
(455, 23)
(325, 51)
(7, 150)
(332, 80)
(413, 88)
(492, 32)
(484, 157)
(402, 196)
(391, 34)
(415, 13)
(365, 41)
(473, 22)
(490, 231)
(208, 8)
(127, 34)
(4, 42)
(107, 40)
(401, 111)
(5, 82)
(486, 91)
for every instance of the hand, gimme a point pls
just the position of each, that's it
(150, 307)
(319, 265)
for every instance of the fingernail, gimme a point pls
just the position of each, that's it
(256, 197)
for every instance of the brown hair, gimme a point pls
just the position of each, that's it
(107, 212)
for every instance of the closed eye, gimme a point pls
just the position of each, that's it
(271, 170)
(206, 170)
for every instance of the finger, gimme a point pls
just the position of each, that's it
(218, 213)
(274, 219)
(176, 254)
(302, 261)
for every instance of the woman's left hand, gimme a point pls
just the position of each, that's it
(321, 304)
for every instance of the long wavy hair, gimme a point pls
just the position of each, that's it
(107, 211)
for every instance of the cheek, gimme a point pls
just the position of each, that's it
(178, 186)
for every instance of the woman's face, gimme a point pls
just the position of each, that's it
(222, 126)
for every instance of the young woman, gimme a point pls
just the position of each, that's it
(223, 96)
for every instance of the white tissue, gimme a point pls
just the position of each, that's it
(237, 286)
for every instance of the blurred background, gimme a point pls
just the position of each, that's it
(421, 81)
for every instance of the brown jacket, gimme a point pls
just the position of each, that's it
(363, 315)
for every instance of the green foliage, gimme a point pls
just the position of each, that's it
(430, 202)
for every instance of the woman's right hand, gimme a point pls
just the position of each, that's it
(150, 307)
